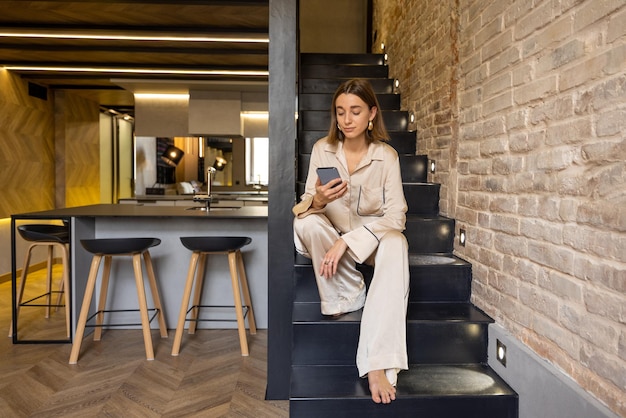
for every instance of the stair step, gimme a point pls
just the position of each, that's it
(417, 312)
(413, 169)
(434, 278)
(343, 71)
(404, 142)
(395, 120)
(428, 235)
(324, 58)
(387, 101)
(329, 85)
(436, 333)
(439, 278)
(442, 391)
(422, 198)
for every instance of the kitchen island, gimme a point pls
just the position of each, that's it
(170, 258)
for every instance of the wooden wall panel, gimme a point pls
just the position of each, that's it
(78, 150)
(27, 155)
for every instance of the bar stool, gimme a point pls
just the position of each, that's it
(201, 247)
(107, 248)
(50, 236)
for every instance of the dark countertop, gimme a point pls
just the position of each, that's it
(138, 210)
(233, 195)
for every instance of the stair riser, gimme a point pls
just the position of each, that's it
(427, 407)
(314, 120)
(440, 284)
(422, 198)
(334, 343)
(412, 167)
(428, 283)
(323, 101)
(343, 71)
(315, 85)
(364, 59)
(404, 142)
(428, 236)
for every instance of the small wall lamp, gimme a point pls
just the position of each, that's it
(172, 155)
(432, 166)
(501, 352)
(462, 237)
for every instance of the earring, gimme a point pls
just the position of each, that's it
(370, 126)
(339, 127)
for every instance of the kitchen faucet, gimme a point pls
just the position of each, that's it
(206, 198)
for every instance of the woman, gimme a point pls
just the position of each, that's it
(359, 218)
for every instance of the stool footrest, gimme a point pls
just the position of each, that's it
(29, 301)
(155, 310)
(245, 308)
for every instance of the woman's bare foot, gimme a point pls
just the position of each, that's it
(382, 391)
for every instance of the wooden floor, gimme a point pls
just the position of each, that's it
(210, 378)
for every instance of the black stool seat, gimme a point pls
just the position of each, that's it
(215, 244)
(44, 232)
(114, 246)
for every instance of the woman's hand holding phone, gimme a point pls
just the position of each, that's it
(333, 189)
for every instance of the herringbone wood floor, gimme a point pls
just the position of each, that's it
(113, 379)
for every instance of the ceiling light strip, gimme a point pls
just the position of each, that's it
(118, 37)
(245, 73)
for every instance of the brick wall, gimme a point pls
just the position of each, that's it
(522, 103)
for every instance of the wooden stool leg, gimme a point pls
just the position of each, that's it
(246, 292)
(102, 300)
(197, 292)
(154, 289)
(143, 307)
(49, 261)
(243, 341)
(84, 309)
(180, 327)
(20, 287)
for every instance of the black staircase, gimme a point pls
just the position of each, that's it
(446, 334)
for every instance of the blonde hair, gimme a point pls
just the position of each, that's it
(363, 89)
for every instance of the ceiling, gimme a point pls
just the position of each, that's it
(109, 70)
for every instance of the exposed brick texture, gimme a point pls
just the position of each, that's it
(522, 103)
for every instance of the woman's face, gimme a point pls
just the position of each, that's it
(353, 115)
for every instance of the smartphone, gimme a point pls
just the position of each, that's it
(327, 174)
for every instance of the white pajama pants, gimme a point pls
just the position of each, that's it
(382, 342)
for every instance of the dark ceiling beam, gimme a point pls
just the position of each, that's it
(84, 87)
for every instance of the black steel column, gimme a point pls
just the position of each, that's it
(282, 137)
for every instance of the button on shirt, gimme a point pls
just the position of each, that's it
(374, 203)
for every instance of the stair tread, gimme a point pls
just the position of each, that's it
(419, 259)
(421, 380)
(309, 312)
(436, 260)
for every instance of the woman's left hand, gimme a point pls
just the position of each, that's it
(332, 257)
